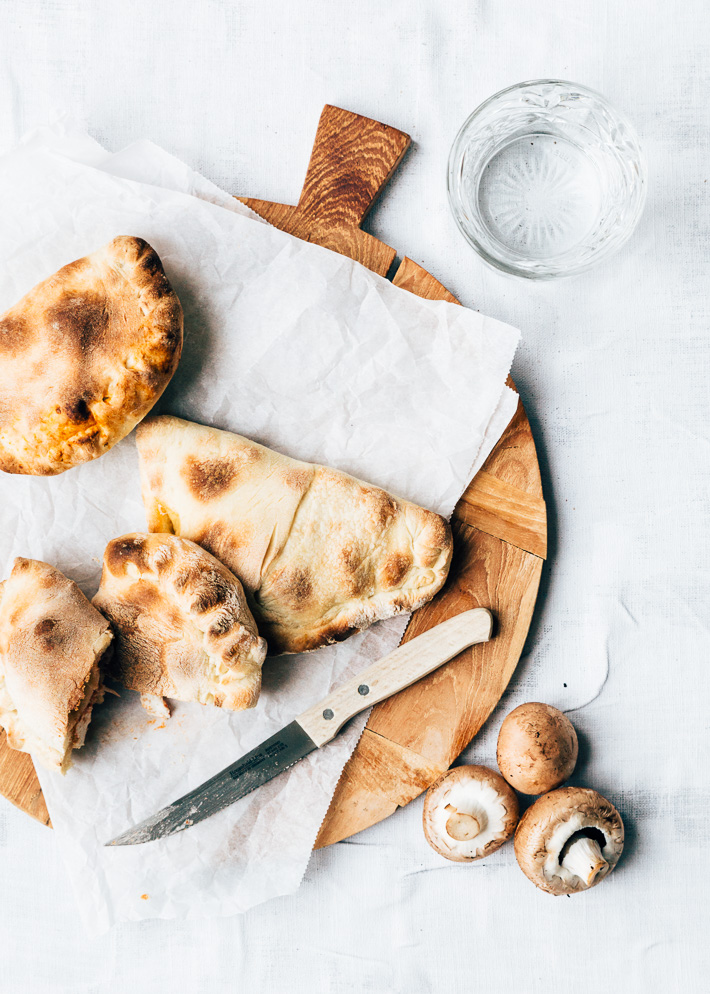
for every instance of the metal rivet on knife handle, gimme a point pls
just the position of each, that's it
(363, 689)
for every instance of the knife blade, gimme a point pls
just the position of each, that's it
(317, 726)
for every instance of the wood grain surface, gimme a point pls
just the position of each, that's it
(352, 160)
(19, 783)
(499, 525)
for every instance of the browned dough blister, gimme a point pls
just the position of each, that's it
(182, 624)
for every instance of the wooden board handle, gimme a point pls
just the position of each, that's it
(401, 668)
(353, 157)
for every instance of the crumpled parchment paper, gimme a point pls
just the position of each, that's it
(301, 349)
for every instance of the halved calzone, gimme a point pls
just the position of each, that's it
(321, 554)
(183, 628)
(51, 643)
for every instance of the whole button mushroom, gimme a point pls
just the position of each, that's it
(537, 748)
(469, 813)
(569, 840)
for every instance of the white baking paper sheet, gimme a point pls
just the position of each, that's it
(301, 349)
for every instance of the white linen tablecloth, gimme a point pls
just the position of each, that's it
(613, 372)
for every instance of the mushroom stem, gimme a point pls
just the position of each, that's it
(585, 859)
(463, 827)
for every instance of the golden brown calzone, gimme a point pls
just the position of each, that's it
(51, 643)
(321, 554)
(183, 628)
(84, 356)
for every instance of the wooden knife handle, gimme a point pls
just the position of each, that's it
(401, 668)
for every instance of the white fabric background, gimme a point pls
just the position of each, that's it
(613, 372)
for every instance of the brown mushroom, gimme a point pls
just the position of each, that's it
(569, 840)
(469, 813)
(537, 748)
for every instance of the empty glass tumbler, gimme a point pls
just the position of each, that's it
(546, 179)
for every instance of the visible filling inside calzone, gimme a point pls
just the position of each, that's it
(57, 754)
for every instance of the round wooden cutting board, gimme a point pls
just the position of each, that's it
(500, 525)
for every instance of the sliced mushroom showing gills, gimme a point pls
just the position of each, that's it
(569, 840)
(469, 813)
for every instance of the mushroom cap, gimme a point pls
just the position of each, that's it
(479, 795)
(549, 824)
(537, 748)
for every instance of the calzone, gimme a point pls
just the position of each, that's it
(51, 644)
(321, 554)
(183, 628)
(84, 356)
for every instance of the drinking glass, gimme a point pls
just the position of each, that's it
(546, 179)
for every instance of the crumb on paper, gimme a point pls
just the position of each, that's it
(144, 897)
(156, 706)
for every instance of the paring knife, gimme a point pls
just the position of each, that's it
(316, 726)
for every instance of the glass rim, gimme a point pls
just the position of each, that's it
(457, 205)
